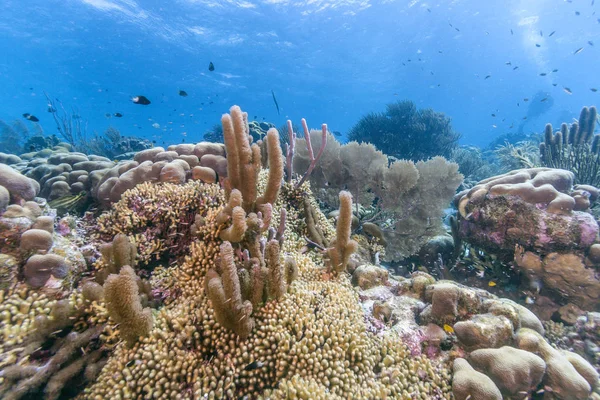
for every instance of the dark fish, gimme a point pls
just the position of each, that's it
(508, 63)
(594, 89)
(577, 13)
(551, 33)
(30, 117)
(275, 100)
(567, 90)
(337, 133)
(183, 93)
(486, 77)
(254, 365)
(457, 30)
(554, 84)
(118, 115)
(493, 115)
(211, 66)
(578, 50)
(511, 32)
(538, 45)
(143, 100)
(428, 10)
(590, 43)
(515, 68)
(525, 99)
(555, 70)
(524, 118)
(541, 34)
(543, 74)
(154, 142)
(107, 115)
(51, 109)
(543, 100)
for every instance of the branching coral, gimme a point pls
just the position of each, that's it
(574, 148)
(123, 303)
(342, 246)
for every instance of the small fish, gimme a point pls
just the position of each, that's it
(254, 365)
(428, 10)
(494, 126)
(107, 115)
(183, 93)
(118, 115)
(538, 45)
(526, 99)
(493, 115)
(543, 100)
(555, 70)
(457, 30)
(211, 66)
(577, 13)
(551, 33)
(543, 74)
(578, 51)
(594, 89)
(541, 34)
(511, 32)
(491, 283)
(30, 117)
(567, 90)
(486, 77)
(69, 202)
(515, 68)
(143, 100)
(590, 43)
(508, 63)
(448, 329)
(524, 118)
(275, 100)
(554, 84)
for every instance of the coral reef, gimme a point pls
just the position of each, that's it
(412, 195)
(209, 275)
(407, 133)
(534, 217)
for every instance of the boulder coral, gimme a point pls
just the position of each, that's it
(536, 218)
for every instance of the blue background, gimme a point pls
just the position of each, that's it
(328, 61)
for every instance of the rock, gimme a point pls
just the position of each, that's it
(368, 276)
(484, 331)
(514, 371)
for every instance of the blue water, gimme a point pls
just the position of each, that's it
(328, 61)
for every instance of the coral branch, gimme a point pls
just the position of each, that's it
(225, 295)
(124, 305)
(313, 159)
(290, 150)
(343, 247)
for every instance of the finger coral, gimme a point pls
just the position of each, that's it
(123, 304)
